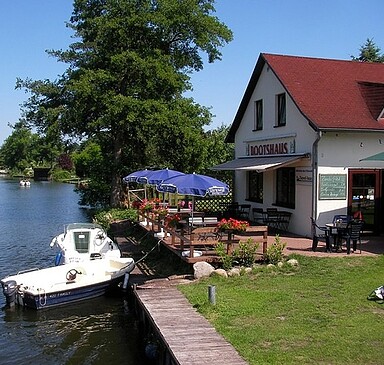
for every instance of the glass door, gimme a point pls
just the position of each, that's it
(364, 197)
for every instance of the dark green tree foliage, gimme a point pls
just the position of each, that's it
(369, 52)
(124, 85)
(217, 152)
(21, 149)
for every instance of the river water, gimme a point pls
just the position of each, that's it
(98, 331)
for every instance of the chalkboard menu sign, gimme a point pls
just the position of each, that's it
(333, 186)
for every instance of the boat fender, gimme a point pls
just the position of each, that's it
(58, 258)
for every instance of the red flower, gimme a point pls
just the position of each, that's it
(232, 224)
(171, 220)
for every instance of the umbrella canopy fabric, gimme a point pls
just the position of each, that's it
(377, 157)
(156, 177)
(193, 184)
(133, 176)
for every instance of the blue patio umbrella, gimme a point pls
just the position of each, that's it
(194, 185)
(133, 176)
(156, 177)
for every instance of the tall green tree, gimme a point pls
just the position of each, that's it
(369, 52)
(21, 149)
(217, 152)
(124, 85)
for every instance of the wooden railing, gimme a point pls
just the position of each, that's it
(180, 241)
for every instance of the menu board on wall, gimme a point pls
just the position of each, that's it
(332, 186)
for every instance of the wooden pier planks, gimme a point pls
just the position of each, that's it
(187, 334)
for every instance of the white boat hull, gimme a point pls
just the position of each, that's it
(65, 284)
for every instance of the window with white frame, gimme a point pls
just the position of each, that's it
(258, 125)
(281, 110)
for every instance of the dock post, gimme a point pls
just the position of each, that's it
(212, 294)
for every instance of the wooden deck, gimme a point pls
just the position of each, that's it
(187, 335)
(184, 245)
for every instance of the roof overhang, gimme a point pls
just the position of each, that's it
(260, 164)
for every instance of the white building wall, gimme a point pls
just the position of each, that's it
(338, 152)
(297, 128)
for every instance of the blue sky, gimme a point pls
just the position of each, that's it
(325, 29)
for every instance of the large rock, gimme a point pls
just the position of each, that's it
(202, 269)
(293, 262)
(220, 272)
(235, 271)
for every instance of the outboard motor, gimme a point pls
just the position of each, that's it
(9, 290)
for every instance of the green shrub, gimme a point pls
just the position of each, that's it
(225, 258)
(106, 217)
(61, 175)
(246, 253)
(274, 252)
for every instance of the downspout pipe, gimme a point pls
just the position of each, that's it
(315, 169)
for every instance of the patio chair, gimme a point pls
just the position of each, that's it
(319, 232)
(338, 232)
(353, 233)
(258, 215)
(244, 211)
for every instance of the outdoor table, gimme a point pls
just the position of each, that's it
(336, 230)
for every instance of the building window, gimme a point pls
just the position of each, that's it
(255, 186)
(281, 110)
(285, 187)
(258, 115)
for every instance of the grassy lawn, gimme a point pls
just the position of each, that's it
(316, 313)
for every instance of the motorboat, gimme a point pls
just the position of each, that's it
(64, 284)
(83, 242)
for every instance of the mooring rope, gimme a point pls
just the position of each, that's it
(152, 249)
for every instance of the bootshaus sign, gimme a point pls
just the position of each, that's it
(272, 147)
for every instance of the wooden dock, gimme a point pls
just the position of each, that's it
(187, 336)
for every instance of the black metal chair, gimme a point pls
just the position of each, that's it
(341, 221)
(258, 215)
(353, 233)
(319, 232)
(244, 211)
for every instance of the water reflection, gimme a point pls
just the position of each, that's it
(93, 332)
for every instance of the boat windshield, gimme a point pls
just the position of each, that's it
(73, 226)
(81, 241)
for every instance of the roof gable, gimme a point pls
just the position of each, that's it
(331, 94)
(373, 95)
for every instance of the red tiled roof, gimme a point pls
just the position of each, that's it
(331, 94)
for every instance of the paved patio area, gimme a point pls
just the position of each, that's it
(370, 245)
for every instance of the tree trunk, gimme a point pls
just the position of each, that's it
(116, 197)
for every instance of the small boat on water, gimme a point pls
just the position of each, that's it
(83, 242)
(25, 183)
(64, 284)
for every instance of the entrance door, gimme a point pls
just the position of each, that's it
(364, 195)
